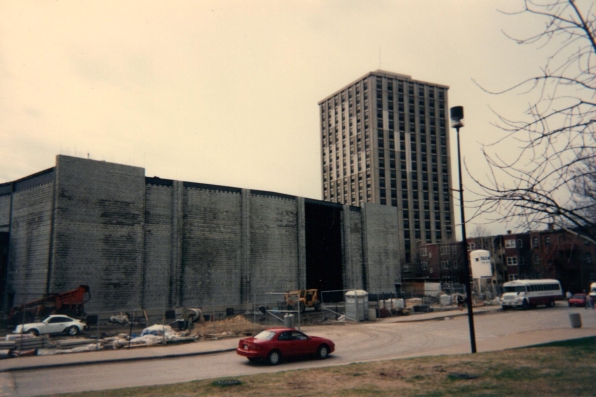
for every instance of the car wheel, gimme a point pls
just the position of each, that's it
(504, 307)
(551, 303)
(569, 304)
(274, 357)
(525, 305)
(34, 332)
(323, 352)
(72, 331)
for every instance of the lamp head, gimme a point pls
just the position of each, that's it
(457, 116)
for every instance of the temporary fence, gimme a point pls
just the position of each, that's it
(130, 327)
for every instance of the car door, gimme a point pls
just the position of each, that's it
(286, 344)
(58, 324)
(300, 343)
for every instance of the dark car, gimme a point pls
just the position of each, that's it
(577, 300)
(274, 344)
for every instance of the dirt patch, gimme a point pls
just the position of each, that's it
(230, 327)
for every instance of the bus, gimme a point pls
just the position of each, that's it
(530, 293)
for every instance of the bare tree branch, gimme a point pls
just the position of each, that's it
(552, 177)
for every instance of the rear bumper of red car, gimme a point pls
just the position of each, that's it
(249, 353)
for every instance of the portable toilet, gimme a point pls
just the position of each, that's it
(357, 305)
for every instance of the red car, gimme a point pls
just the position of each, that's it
(577, 300)
(274, 344)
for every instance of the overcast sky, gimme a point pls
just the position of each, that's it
(226, 92)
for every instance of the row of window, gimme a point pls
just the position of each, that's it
(391, 86)
(444, 249)
(327, 117)
(391, 126)
(512, 243)
(445, 265)
(430, 109)
(332, 137)
(514, 261)
(415, 183)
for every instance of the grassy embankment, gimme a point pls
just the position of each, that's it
(556, 369)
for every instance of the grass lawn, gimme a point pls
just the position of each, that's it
(555, 369)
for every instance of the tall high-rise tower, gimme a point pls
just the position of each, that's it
(385, 140)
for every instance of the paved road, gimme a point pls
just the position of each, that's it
(387, 339)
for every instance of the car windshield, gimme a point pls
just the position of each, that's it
(265, 335)
(579, 296)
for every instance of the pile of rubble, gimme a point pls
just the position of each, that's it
(157, 334)
(233, 326)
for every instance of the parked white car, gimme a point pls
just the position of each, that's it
(55, 324)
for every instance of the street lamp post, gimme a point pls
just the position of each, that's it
(457, 116)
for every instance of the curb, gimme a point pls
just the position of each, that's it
(115, 360)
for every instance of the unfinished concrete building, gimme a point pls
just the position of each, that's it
(142, 242)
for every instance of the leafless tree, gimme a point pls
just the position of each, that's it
(480, 231)
(584, 189)
(555, 134)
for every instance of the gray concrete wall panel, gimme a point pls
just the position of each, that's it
(158, 277)
(381, 247)
(211, 255)
(274, 246)
(29, 247)
(354, 276)
(98, 231)
(5, 212)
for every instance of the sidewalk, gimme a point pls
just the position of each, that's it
(121, 355)
(441, 314)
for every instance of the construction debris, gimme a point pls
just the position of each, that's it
(65, 344)
(232, 326)
(120, 319)
(79, 349)
(158, 330)
(12, 353)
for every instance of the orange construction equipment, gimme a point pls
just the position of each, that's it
(70, 303)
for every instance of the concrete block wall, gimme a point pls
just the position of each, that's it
(148, 243)
(381, 247)
(98, 231)
(29, 248)
(5, 200)
(210, 271)
(159, 278)
(354, 269)
(274, 245)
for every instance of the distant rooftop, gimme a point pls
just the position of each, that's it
(383, 73)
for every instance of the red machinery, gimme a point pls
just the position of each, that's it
(70, 303)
